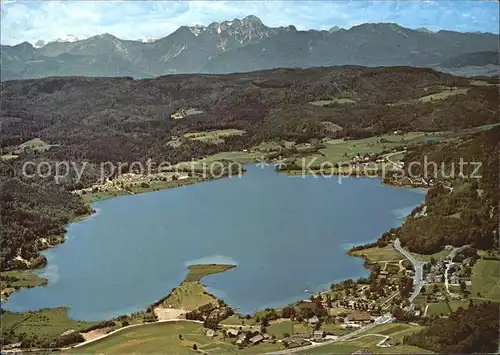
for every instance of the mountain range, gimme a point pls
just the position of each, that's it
(248, 45)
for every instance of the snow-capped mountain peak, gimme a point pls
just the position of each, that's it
(67, 38)
(146, 40)
(236, 33)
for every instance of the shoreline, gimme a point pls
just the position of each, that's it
(154, 305)
(61, 239)
(94, 212)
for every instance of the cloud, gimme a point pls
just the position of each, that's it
(48, 20)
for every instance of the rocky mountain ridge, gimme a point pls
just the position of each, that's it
(239, 46)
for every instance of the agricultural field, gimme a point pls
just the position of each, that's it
(369, 341)
(8, 156)
(448, 92)
(332, 349)
(445, 93)
(427, 257)
(480, 83)
(214, 137)
(486, 280)
(456, 304)
(273, 146)
(107, 192)
(438, 309)
(335, 329)
(339, 151)
(151, 338)
(278, 329)
(396, 330)
(185, 112)
(191, 294)
(35, 145)
(44, 324)
(339, 101)
(235, 320)
(387, 253)
(197, 272)
(91, 197)
(14, 280)
(176, 337)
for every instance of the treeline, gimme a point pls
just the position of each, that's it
(472, 330)
(467, 213)
(29, 212)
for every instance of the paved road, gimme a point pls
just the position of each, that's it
(418, 278)
(386, 318)
(389, 156)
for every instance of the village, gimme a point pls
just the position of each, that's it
(351, 305)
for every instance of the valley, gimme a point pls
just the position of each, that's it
(256, 120)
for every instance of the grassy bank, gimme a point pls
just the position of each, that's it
(112, 192)
(377, 254)
(369, 341)
(174, 338)
(40, 328)
(197, 272)
(485, 280)
(12, 281)
(191, 293)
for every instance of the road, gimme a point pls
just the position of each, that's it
(449, 264)
(386, 318)
(397, 165)
(418, 278)
(446, 279)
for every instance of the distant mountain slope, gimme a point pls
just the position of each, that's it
(367, 45)
(472, 64)
(246, 45)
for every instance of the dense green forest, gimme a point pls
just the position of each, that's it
(467, 211)
(472, 330)
(94, 120)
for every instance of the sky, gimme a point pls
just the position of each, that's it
(48, 20)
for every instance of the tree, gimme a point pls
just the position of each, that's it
(211, 323)
(195, 347)
(221, 303)
(287, 312)
(398, 313)
(463, 287)
(180, 336)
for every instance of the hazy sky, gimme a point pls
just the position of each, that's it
(48, 20)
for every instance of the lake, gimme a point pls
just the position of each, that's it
(285, 233)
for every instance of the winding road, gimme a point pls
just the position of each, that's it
(397, 165)
(386, 318)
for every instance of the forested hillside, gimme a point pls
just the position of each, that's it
(472, 330)
(467, 211)
(95, 120)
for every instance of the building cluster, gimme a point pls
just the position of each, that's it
(357, 320)
(445, 269)
(247, 336)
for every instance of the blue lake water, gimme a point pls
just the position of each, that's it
(286, 234)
